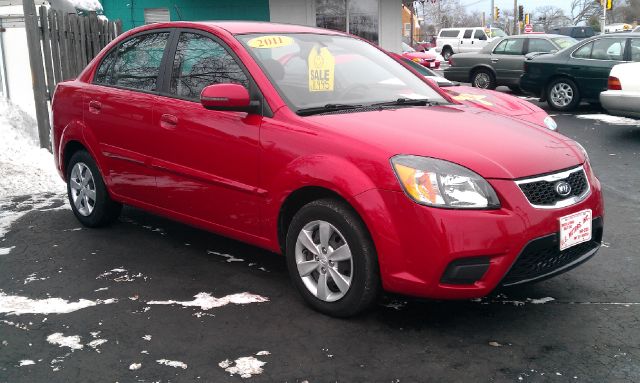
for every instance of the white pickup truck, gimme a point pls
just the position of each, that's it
(459, 40)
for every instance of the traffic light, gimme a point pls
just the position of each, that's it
(607, 3)
(527, 18)
(496, 14)
(520, 12)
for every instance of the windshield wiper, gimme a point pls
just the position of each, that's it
(406, 101)
(327, 108)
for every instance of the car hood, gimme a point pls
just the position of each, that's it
(420, 55)
(491, 100)
(492, 145)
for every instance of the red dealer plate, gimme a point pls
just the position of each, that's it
(575, 228)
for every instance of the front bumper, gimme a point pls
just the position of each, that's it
(621, 103)
(416, 244)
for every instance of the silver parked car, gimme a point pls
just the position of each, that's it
(501, 62)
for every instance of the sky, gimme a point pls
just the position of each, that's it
(529, 5)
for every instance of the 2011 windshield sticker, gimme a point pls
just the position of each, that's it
(321, 70)
(269, 42)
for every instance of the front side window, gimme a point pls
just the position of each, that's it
(584, 52)
(479, 35)
(510, 47)
(314, 70)
(467, 33)
(134, 64)
(540, 45)
(200, 61)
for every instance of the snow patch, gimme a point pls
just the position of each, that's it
(135, 366)
(120, 274)
(540, 301)
(26, 362)
(32, 277)
(609, 119)
(6, 250)
(259, 353)
(229, 258)
(172, 363)
(21, 154)
(17, 305)
(147, 337)
(96, 342)
(245, 366)
(72, 341)
(206, 301)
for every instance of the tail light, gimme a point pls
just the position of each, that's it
(614, 83)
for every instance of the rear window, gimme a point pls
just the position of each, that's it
(450, 33)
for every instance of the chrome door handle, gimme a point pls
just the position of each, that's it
(495, 60)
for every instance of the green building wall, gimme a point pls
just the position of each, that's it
(131, 12)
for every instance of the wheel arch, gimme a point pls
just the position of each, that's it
(478, 67)
(70, 148)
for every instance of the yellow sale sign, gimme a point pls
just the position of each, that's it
(321, 70)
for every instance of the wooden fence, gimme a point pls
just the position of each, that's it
(60, 47)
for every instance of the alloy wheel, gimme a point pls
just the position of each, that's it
(482, 80)
(324, 261)
(83, 189)
(562, 94)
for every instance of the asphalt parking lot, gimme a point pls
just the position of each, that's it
(149, 300)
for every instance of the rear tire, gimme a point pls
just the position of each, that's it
(563, 95)
(446, 53)
(483, 79)
(331, 258)
(88, 195)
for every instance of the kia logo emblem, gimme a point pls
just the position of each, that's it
(563, 188)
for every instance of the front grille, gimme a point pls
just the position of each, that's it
(541, 191)
(541, 257)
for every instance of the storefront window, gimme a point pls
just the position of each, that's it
(358, 17)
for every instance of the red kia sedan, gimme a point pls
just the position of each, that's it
(319, 146)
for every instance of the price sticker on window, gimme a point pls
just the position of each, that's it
(322, 66)
(269, 42)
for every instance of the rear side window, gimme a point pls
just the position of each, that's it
(635, 49)
(510, 47)
(540, 45)
(450, 33)
(134, 64)
(608, 49)
(201, 61)
(468, 33)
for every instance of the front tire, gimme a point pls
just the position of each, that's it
(331, 258)
(88, 195)
(563, 95)
(483, 79)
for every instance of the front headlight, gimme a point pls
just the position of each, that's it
(439, 183)
(584, 151)
(550, 123)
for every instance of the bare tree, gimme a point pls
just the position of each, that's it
(583, 10)
(550, 17)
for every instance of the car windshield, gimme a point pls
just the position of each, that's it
(496, 32)
(407, 48)
(421, 69)
(315, 70)
(564, 42)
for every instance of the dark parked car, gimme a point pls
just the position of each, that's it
(578, 33)
(580, 72)
(501, 62)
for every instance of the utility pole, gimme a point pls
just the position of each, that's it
(516, 25)
(493, 11)
(604, 15)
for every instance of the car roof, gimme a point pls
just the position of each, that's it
(246, 27)
(535, 35)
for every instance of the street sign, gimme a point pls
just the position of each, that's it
(528, 28)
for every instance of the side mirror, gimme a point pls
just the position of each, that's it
(229, 97)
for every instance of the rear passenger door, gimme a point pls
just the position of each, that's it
(591, 64)
(465, 41)
(538, 45)
(117, 109)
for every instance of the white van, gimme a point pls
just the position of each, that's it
(458, 40)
